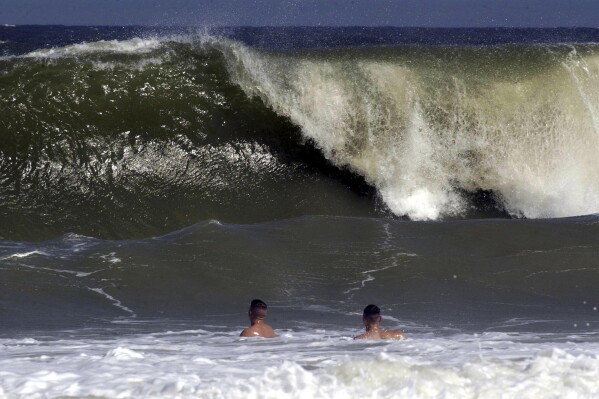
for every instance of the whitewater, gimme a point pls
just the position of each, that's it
(306, 364)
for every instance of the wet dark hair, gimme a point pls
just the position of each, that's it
(372, 312)
(257, 303)
(257, 309)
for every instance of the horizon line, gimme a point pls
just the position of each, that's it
(12, 25)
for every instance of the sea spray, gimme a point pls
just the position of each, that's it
(421, 124)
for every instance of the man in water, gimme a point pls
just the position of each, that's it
(258, 328)
(371, 319)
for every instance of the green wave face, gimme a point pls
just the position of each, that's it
(126, 144)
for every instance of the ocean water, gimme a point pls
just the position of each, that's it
(155, 180)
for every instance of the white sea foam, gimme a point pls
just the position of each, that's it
(132, 46)
(421, 134)
(114, 301)
(321, 364)
(138, 65)
(20, 255)
(111, 258)
(135, 45)
(123, 354)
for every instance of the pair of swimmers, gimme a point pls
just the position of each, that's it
(371, 318)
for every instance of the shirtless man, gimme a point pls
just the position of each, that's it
(372, 318)
(258, 328)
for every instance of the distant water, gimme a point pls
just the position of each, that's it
(154, 181)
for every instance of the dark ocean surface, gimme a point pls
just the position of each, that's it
(168, 175)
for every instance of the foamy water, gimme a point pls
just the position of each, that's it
(318, 364)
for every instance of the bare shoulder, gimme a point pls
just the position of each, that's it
(262, 331)
(268, 332)
(247, 332)
(393, 334)
(250, 332)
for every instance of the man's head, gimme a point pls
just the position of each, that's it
(257, 309)
(371, 315)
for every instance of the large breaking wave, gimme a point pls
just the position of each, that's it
(138, 137)
(424, 125)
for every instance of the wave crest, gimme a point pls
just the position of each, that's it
(425, 124)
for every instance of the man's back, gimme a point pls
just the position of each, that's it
(382, 334)
(258, 330)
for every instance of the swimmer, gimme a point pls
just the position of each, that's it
(258, 328)
(371, 319)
